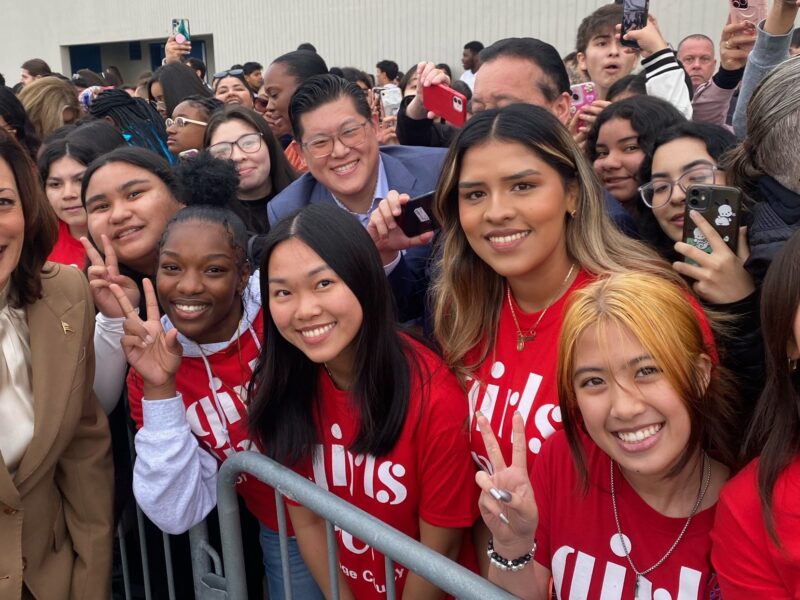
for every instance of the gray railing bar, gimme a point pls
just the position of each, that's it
(427, 563)
(123, 555)
(143, 551)
(168, 565)
(333, 559)
(388, 565)
(283, 539)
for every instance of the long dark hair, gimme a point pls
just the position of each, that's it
(41, 229)
(178, 81)
(83, 144)
(14, 115)
(775, 429)
(283, 390)
(281, 172)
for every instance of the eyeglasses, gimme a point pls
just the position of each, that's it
(658, 193)
(248, 143)
(351, 136)
(234, 72)
(182, 122)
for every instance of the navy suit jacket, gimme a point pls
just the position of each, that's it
(409, 170)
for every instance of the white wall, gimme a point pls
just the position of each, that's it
(345, 32)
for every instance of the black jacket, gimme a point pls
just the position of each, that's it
(776, 216)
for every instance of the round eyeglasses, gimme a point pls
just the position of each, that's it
(658, 192)
(350, 136)
(248, 143)
(182, 122)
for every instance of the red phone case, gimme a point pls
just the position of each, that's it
(447, 103)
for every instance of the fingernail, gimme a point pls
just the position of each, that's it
(496, 494)
(516, 412)
(503, 518)
(478, 413)
(505, 496)
(148, 340)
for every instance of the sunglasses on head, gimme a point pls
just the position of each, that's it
(234, 72)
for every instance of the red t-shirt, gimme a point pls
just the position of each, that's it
(748, 562)
(577, 537)
(509, 380)
(232, 369)
(428, 474)
(68, 250)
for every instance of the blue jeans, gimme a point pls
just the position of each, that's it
(303, 585)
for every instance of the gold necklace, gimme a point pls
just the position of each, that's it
(522, 339)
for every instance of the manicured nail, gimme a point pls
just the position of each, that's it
(503, 518)
(148, 340)
(478, 413)
(505, 496)
(495, 494)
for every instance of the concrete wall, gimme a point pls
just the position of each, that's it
(345, 32)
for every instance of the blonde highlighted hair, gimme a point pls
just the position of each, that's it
(45, 101)
(468, 293)
(667, 324)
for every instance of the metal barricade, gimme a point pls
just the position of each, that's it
(396, 546)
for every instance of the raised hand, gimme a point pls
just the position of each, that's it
(735, 45)
(428, 75)
(155, 355)
(506, 502)
(386, 233)
(175, 52)
(649, 38)
(102, 273)
(720, 276)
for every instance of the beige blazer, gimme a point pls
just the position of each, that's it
(56, 512)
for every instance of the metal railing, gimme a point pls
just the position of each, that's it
(395, 546)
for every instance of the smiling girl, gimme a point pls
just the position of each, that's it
(337, 379)
(622, 501)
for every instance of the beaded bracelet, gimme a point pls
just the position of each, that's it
(504, 564)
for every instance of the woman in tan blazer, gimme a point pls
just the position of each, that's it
(56, 478)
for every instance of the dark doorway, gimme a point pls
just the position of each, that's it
(86, 56)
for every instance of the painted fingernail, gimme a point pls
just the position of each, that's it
(503, 518)
(505, 496)
(495, 493)
(478, 413)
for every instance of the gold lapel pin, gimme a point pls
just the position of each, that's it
(66, 327)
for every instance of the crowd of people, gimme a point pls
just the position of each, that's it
(582, 382)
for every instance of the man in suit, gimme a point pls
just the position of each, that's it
(332, 123)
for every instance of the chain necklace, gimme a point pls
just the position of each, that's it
(700, 495)
(521, 337)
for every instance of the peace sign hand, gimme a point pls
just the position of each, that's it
(155, 355)
(102, 273)
(506, 502)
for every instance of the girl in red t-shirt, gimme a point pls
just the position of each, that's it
(756, 537)
(524, 226)
(62, 163)
(344, 398)
(621, 503)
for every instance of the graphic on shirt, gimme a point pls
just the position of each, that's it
(495, 405)
(613, 582)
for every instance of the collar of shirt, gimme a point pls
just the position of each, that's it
(381, 191)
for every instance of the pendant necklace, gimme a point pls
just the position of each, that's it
(700, 495)
(522, 338)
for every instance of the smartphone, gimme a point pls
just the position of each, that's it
(188, 154)
(377, 107)
(754, 11)
(447, 103)
(180, 29)
(391, 97)
(634, 16)
(417, 216)
(720, 206)
(583, 94)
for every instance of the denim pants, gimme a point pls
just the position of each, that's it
(303, 585)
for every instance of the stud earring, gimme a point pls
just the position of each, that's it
(573, 213)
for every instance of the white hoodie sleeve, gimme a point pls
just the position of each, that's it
(110, 362)
(174, 480)
(666, 79)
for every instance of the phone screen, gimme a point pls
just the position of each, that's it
(634, 16)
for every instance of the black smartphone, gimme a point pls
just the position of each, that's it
(721, 206)
(634, 16)
(417, 216)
